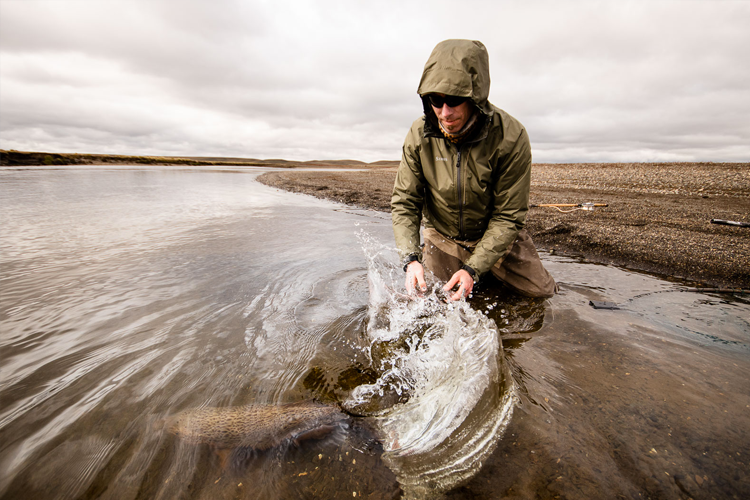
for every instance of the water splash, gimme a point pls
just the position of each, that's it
(443, 395)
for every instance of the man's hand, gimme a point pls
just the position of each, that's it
(415, 276)
(465, 282)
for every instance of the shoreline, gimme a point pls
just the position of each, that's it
(12, 158)
(658, 218)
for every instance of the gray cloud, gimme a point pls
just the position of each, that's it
(594, 81)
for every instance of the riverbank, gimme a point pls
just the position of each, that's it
(658, 217)
(12, 158)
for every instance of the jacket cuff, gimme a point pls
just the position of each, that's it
(474, 275)
(477, 264)
(411, 258)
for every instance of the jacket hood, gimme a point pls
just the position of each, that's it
(461, 68)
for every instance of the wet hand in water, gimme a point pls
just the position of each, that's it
(465, 284)
(415, 278)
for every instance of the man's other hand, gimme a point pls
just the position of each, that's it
(415, 277)
(465, 283)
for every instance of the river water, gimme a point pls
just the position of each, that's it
(128, 295)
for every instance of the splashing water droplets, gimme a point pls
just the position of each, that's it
(440, 376)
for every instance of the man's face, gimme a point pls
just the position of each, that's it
(453, 119)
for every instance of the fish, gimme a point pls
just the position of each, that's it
(256, 426)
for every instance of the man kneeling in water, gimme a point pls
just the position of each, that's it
(465, 166)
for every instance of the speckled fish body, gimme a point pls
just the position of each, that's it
(258, 426)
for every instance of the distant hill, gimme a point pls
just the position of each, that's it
(30, 158)
(385, 164)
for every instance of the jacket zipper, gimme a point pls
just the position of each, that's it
(460, 197)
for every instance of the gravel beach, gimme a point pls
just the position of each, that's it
(657, 219)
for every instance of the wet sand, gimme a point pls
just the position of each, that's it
(658, 217)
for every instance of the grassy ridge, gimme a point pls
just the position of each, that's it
(30, 158)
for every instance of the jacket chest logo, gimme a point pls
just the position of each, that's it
(440, 158)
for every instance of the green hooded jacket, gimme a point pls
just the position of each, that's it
(478, 190)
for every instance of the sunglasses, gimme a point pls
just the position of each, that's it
(451, 100)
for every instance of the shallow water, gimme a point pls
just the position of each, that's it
(128, 295)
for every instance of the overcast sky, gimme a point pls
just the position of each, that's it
(591, 81)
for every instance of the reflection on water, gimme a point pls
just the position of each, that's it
(130, 295)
